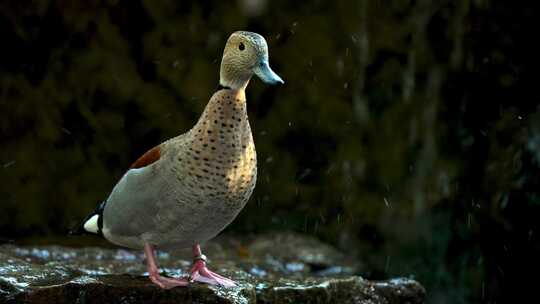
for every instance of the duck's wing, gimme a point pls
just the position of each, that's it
(131, 196)
(151, 156)
(133, 205)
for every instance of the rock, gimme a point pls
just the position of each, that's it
(276, 268)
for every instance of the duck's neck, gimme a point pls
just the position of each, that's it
(236, 84)
(225, 112)
(233, 77)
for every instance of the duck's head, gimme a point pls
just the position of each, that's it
(245, 54)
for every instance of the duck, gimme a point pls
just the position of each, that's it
(186, 190)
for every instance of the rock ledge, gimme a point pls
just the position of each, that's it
(263, 266)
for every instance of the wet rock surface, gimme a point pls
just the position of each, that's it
(274, 268)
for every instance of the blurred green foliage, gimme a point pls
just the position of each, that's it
(402, 134)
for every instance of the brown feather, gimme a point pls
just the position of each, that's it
(148, 158)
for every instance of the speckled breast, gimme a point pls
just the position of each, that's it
(215, 167)
(223, 177)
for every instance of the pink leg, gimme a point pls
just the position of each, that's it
(200, 273)
(153, 271)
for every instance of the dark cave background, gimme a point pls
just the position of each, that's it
(407, 134)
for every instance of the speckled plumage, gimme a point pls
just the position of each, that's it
(186, 190)
(203, 179)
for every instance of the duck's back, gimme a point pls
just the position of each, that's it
(197, 187)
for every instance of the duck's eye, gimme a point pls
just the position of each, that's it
(241, 46)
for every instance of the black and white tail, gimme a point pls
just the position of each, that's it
(92, 224)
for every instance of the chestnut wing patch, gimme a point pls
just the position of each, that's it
(148, 158)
